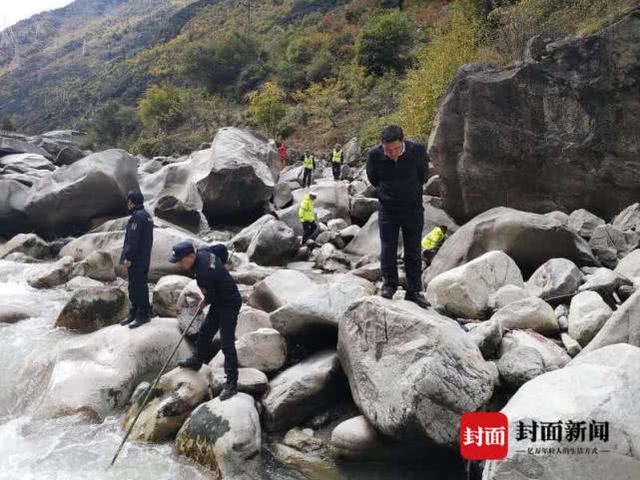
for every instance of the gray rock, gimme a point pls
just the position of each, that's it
(361, 209)
(301, 391)
(166, 294)
(282, 196)
(349, 232)
(570, 344)
(622, 327)
(97, 372)
(13, 198)
(224, 437)
(529, 239)
(588, 313)
(351, 152)
(91, 309)
(57, 274)
(530, 313)
(554, 357)
(278, 289)
(332, 197)
(520, 365)
(250, 381)
(367, 241)
(583, 222)
(321, 306)
(265, 350)
(98, 265)
(77, 283)
(610, 244)
(628, 219)
(506, 295)
(28, 243)
(601, 376)
(274, 244)
(555, 278)
(436, 370)
(487, 336)
(465, 290)
(370, 271)
(433, 186)
(629, 266)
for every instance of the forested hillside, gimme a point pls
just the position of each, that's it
(160, 76)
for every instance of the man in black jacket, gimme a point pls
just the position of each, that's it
(221, 293)
(136, 256)
(398, 168)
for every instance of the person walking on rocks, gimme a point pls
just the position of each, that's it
(136, 256)
(220, 291)
(336, 161)
(309, 164)
(307, 216)
(398, 169)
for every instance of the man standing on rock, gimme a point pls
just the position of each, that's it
(398, 168)
(221, 293)
(307, 216)
(336, 161)
(136, 256)
(309, 164)
(282, 153)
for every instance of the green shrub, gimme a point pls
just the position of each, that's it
(268, 108)
(161, 107)
(385, 43)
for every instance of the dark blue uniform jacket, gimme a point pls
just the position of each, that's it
(138, 239)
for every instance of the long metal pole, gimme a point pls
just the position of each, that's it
(152, 388)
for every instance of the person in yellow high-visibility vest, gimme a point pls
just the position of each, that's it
(307, 216)
(336, 161)
(309, 164)
(432, 242)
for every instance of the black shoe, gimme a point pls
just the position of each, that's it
(127, 320)
(229, 390)
(139, 321)
(387, 292)
(418, 299)
(193, 363)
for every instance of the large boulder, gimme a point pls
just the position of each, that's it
(178, 392)
(166, 294)
(224, 437)
(110, 237)
(519, 365)
(527, 138)
(436, 370)
(629, 266)
(587, 390)
(528, 238)
(282, 197)
(69, 198)
(587, 314)
(553, 356)
(303, 390)
(91, 309)
(321, 307)
(17, 144)
(555, 278)
(274, 244)
(242, 239)
(57, 274)
(367, 240)
(506, 295)
(361, 209)
(628, 219)
(96, 373)
(251, 381)
(622, 327)
(237, 181)
(465, 290)
(278, 289)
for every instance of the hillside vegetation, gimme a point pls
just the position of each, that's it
(160, 76)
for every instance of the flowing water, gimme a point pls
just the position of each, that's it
(72, 448)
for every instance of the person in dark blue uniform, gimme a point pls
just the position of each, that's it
(398, 169)
(221, 293)
(136, 256)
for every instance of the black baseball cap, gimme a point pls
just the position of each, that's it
(181, 250)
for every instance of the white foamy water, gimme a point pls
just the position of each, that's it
(66, 448)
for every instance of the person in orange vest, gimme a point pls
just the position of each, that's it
(282, 152)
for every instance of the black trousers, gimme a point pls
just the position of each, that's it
(336, 167)
(410, 223)
(139, 292)
(225, 319)
(307, 230)
(306, 178)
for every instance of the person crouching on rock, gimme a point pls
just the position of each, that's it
(221, 293)
(136, 256)
(432, 242)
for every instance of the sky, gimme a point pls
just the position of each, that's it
(12, 11)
